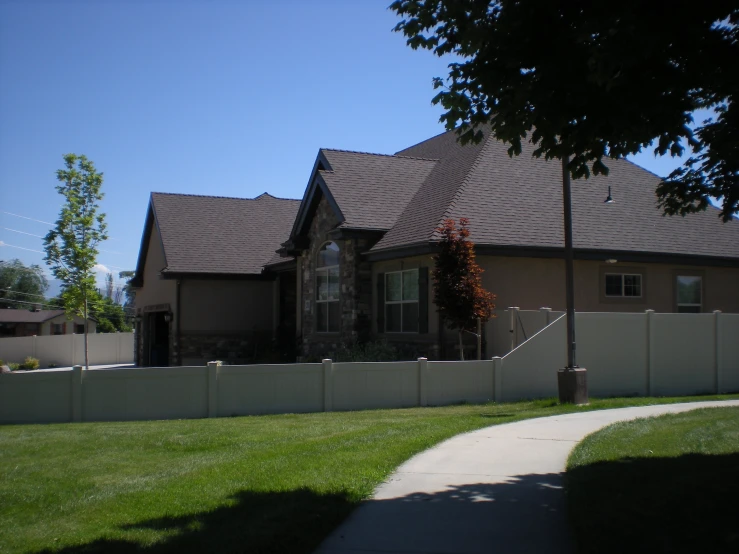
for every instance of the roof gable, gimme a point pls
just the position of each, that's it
(217, 235)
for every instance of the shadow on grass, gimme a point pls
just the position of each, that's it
(475, 516)
(292, 521)
(682, 504)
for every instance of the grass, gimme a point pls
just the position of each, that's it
(249, 484)
(664, 484)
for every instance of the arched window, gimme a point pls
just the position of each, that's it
(328, 313)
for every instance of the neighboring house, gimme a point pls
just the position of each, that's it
(201, 293)
(361, 243)
(25, 323)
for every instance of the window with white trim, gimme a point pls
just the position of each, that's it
(689, 289)
(328, 312)
(401, 301)
(626, 285)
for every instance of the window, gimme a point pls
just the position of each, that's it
(624, 285)
(328, 312)
(57, 328)
(79, 328)
(401, 301)
(689, 294)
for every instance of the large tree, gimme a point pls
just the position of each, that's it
(592, 80)
(21, 286)
(71, 247)
(458, 292)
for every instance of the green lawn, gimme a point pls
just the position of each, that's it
(247, 484)
(665, 484)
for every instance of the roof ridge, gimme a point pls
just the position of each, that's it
(384, 155)
(461, 188)
(425, 140)
(224, 197)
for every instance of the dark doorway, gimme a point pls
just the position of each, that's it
(158, 340)
(286, 328)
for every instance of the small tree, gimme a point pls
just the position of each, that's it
(458, 292)
(71, 247)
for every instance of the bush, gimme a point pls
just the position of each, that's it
(14, 366)
(379, 351)
(29, 363)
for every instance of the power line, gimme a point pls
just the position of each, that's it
(43, 237)
(39, 221)
(20, 247)
(30, 293)
(56, 306)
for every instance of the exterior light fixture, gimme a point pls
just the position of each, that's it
(611, 261)
(167, 317)
(609, 199)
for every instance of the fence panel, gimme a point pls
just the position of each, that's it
(683, 354)
(152, 393)
(364, 385)
(285, 388)
(530, 371)
(729, 352)
(613, 348)
(36, 397)
(454, 382)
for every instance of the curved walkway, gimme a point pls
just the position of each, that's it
(495, 490)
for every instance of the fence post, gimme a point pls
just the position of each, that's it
(650, 351)
(717, 322)
(547, 315)
(423, 382)
(328, 384)
(214, 369)
(117, 347)
(497, 378)
(513, 326)
(71, 337)
(77, 379)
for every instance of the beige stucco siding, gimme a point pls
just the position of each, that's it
(69, 328)
(226, 306)
(155, 289)
(531, 283)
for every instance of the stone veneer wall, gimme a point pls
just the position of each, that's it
(355, 284)
(244, 348)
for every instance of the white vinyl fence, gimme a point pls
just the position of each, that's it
(509, 328)
(625, 354)
(69, 350)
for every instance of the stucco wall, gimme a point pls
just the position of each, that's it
(155, 289)
(530, 283)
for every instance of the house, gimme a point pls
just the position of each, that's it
(359, 247)
(201, 292)
(25, 323)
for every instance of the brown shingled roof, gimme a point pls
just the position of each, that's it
(219, 235)
(373, 189)
(27, 316)
(518, 202)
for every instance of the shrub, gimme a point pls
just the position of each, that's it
(29, 363)
(14, 366)
(379, 351)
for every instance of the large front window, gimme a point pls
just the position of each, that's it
(623, 284)
(401, 301)
(328, 313)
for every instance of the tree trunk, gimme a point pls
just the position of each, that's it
(87, 361)
(461, 346)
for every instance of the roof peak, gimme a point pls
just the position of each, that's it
(223, 197)
(383, 155)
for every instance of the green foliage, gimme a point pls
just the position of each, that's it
(21, 285)
(378, 351)
(14, 366)
(110, 317)
(71, 247)
(128, 290)
(458, 292)
(29, 363)
(592, 80)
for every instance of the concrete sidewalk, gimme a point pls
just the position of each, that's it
(496, 490)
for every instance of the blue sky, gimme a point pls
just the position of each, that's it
(202, 97)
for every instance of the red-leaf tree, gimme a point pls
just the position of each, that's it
(458, 292)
